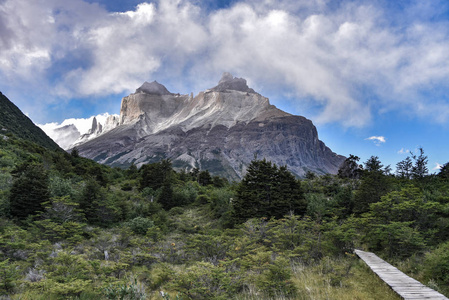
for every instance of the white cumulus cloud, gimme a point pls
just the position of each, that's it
(378, 140)
(329, 55)
(70, 130)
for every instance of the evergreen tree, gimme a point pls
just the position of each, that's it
(288, 196)
(194, 173)
(419, 169)
(91, 199)
(350, 168)
(444, 171)
(404, 168)
(374, 185)
(310, 175)
(165, 197)
(29, 190)
(132, 171)
(154, 175)
(75, 153)
(219, 182)
(204, 178)
(373, 165)
(267, 191)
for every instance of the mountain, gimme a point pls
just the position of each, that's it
(97, 129)
(72, 132)
(12, 120)
(221, 129)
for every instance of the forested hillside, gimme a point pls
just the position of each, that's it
(73, 229)
(12, 120)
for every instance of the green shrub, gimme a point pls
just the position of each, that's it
(134, 290)
(176, 211)
(8, 277)
(161, 274)
(206, 281)
(436, 264)
(203, 199)
(276, 279)
(140, 225)
(185, 194)
(62, 290)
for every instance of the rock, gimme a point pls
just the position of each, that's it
(228, 82)
(221, 129)
(153, 88)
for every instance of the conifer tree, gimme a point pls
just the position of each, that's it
(288, 196)
(374, 185)
(166, 198)
(404, 168)
(29, 190)
(91, 198)
(204, 178)
(419, 169)
(350, 168)
(267, 191)
(154, 175)
(444, 171)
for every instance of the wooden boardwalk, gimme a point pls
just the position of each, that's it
(405, 286)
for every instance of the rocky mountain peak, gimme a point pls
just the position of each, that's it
(153, 88)
(220, 129)
(229, 82)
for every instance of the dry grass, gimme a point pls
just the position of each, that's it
(316, 283)
(342, 279)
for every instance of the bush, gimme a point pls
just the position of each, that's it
(276, 279)
(202, 199)
(206, 281)
(436, 264)
(140, 225)
(161, 274)
(176, 211)
(185, 194)
(132, 291)
(8, 276)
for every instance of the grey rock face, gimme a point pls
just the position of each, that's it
(153, 88)
(220, 130)
(228, 82)
(97, 129)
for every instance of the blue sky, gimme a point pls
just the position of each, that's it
(371, 75)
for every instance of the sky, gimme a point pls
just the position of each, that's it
(373, 76)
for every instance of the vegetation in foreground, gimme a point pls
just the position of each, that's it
(73, 229)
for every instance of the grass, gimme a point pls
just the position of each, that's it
(340, 279)
(330, 278)
(359, 283)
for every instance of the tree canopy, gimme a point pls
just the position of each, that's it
(29, 190)
(268, 191)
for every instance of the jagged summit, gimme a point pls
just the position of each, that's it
(228, 82)
(153, 88)
(220, 130)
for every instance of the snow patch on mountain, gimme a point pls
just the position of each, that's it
(73, 131)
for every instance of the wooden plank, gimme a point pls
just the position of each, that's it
(405, 286)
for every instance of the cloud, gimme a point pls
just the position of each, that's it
(437, 167)
(326, 53)
(82, 124)
(67, 132)
(378, 140)
(403, 151)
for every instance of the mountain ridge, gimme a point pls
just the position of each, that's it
(12, 120)
(220, 129)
